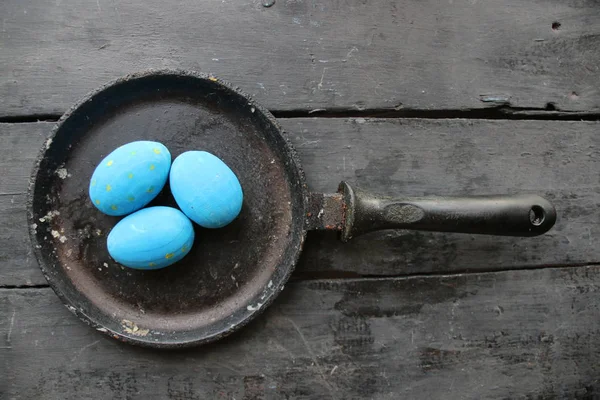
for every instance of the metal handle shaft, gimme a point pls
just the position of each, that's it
(519, 215)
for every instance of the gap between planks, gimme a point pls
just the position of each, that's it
(550, 113)
(353, 277)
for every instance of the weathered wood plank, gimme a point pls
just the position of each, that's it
(19, 266)
(20, 144)
(559, 160)
(518, 334)
(301, 54)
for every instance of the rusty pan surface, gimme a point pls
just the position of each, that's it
(231, 274)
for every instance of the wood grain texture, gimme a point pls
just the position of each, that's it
(20, 144)
(559, 160)
(517, 334)
(307, 55)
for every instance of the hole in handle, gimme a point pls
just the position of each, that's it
(537, 215)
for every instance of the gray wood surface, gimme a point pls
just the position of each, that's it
(518, 335)
(308, 55)
(558, 160)
(20, 143)
(396, 157)
(430, 316)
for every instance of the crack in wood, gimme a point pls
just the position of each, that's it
(499, 112)
(347, 276)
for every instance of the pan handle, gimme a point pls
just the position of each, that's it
(519, 215)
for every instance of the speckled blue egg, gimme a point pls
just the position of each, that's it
(152, 238)
(206, 189)
(130, 177)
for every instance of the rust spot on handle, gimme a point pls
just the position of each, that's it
(326, 212)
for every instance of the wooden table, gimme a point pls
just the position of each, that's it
(453, 97)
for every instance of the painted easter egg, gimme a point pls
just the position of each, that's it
(152, 238)
(205, 189)
(130, 177)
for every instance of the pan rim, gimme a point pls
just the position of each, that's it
(289, 154)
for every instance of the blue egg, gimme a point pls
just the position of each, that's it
(206, 189)
(130, 177)
(152, 238)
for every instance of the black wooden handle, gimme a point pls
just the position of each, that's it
(519, 215)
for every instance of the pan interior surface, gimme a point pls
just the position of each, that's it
(231, 273)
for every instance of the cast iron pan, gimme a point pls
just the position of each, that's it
(233, 273)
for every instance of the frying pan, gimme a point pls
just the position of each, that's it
(231, 274)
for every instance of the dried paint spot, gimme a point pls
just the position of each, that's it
(131, 198)
(132, 328)
(152, 264)
(62, 173)
(97, 202)
(254, 308)
(151, 167)
(114, 207)
(130, 176)
(93, 182)
(108, 188)
(169, 255)
(133, 153)
(48, 217)
(156, 151)
(184, 249)
(108, 164)
(150, 189)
